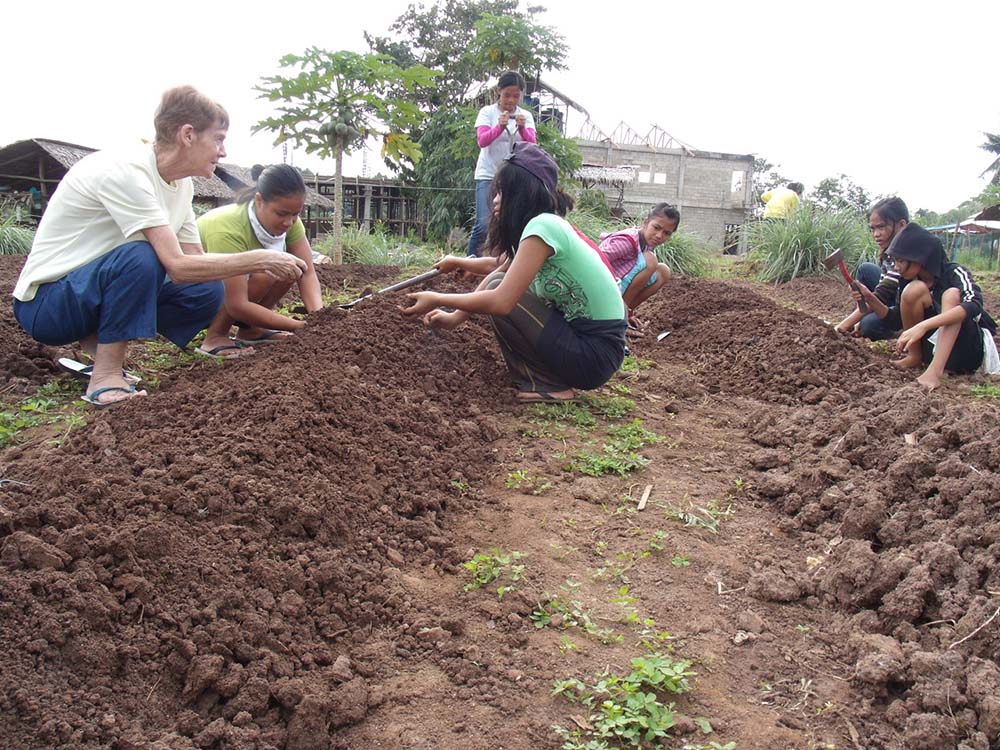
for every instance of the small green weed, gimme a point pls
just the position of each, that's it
(986, 391)
(633, 364)
(621, 389)
(611, 407)
(560, 612)
(30, 412)
(570, 414)
(680, 561)
(487, 567)
(521, 480)
(703, 517)
(618, 454)
(626, 711)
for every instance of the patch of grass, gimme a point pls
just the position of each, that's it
(610, 407)
(14, 238)
(35, 411)
(569, 414)
(632, 364)
(521, 480)
(797, 245)
(986, 391)
(626, 711)
(380, 248)
(618, 455)
(686, 254)
(487, 567)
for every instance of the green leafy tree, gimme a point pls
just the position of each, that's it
(470, 41)
(440, 37)
(992, 145)
(841, 194)
(991, 195)
(335, 101)
(961, 212)
(513, 42)
(766, 176)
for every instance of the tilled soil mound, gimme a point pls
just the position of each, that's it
(189, 567)
(900, 489)
(212, 566)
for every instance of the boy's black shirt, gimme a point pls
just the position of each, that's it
(953, 275)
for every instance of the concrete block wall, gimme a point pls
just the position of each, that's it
(700, 185)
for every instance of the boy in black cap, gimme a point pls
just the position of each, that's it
(933, 295)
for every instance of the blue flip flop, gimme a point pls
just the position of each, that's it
(93, 398)
(217, 351)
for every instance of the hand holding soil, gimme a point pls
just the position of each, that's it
(423, 302)
(278, 265)
(909, 347)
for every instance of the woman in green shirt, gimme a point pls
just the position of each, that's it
(555, 308)
(264, 216)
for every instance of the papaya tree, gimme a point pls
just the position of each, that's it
(336, 101)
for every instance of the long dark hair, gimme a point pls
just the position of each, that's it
(523, 198)
(276, 181)
(891, 210)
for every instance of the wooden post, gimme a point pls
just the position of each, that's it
(42, 187)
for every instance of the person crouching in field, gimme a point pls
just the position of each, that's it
(264, 215)
(631, 253)
(556, 312)
(117, 254)
(886, 219)
(934, 295)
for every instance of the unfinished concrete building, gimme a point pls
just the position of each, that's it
(711, 189)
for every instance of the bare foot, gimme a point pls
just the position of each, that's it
(222, 346)
(907, 363)
(929, 380)
(262, 335)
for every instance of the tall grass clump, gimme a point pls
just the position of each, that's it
(379, 248)
(686, 254)
(797, 245)
(14, 238)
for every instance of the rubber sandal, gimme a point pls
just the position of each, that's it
(83, 372)
(268, 337)
(94, 398)
(216, 351)
(543, 397)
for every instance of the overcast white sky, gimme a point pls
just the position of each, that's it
(894, 94)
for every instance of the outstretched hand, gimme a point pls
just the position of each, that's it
(422, 303)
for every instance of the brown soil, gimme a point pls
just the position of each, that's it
(267, 553)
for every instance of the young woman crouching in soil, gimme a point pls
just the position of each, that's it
(266, 215)
(632, 255)
(934, 295)
(555, 309)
